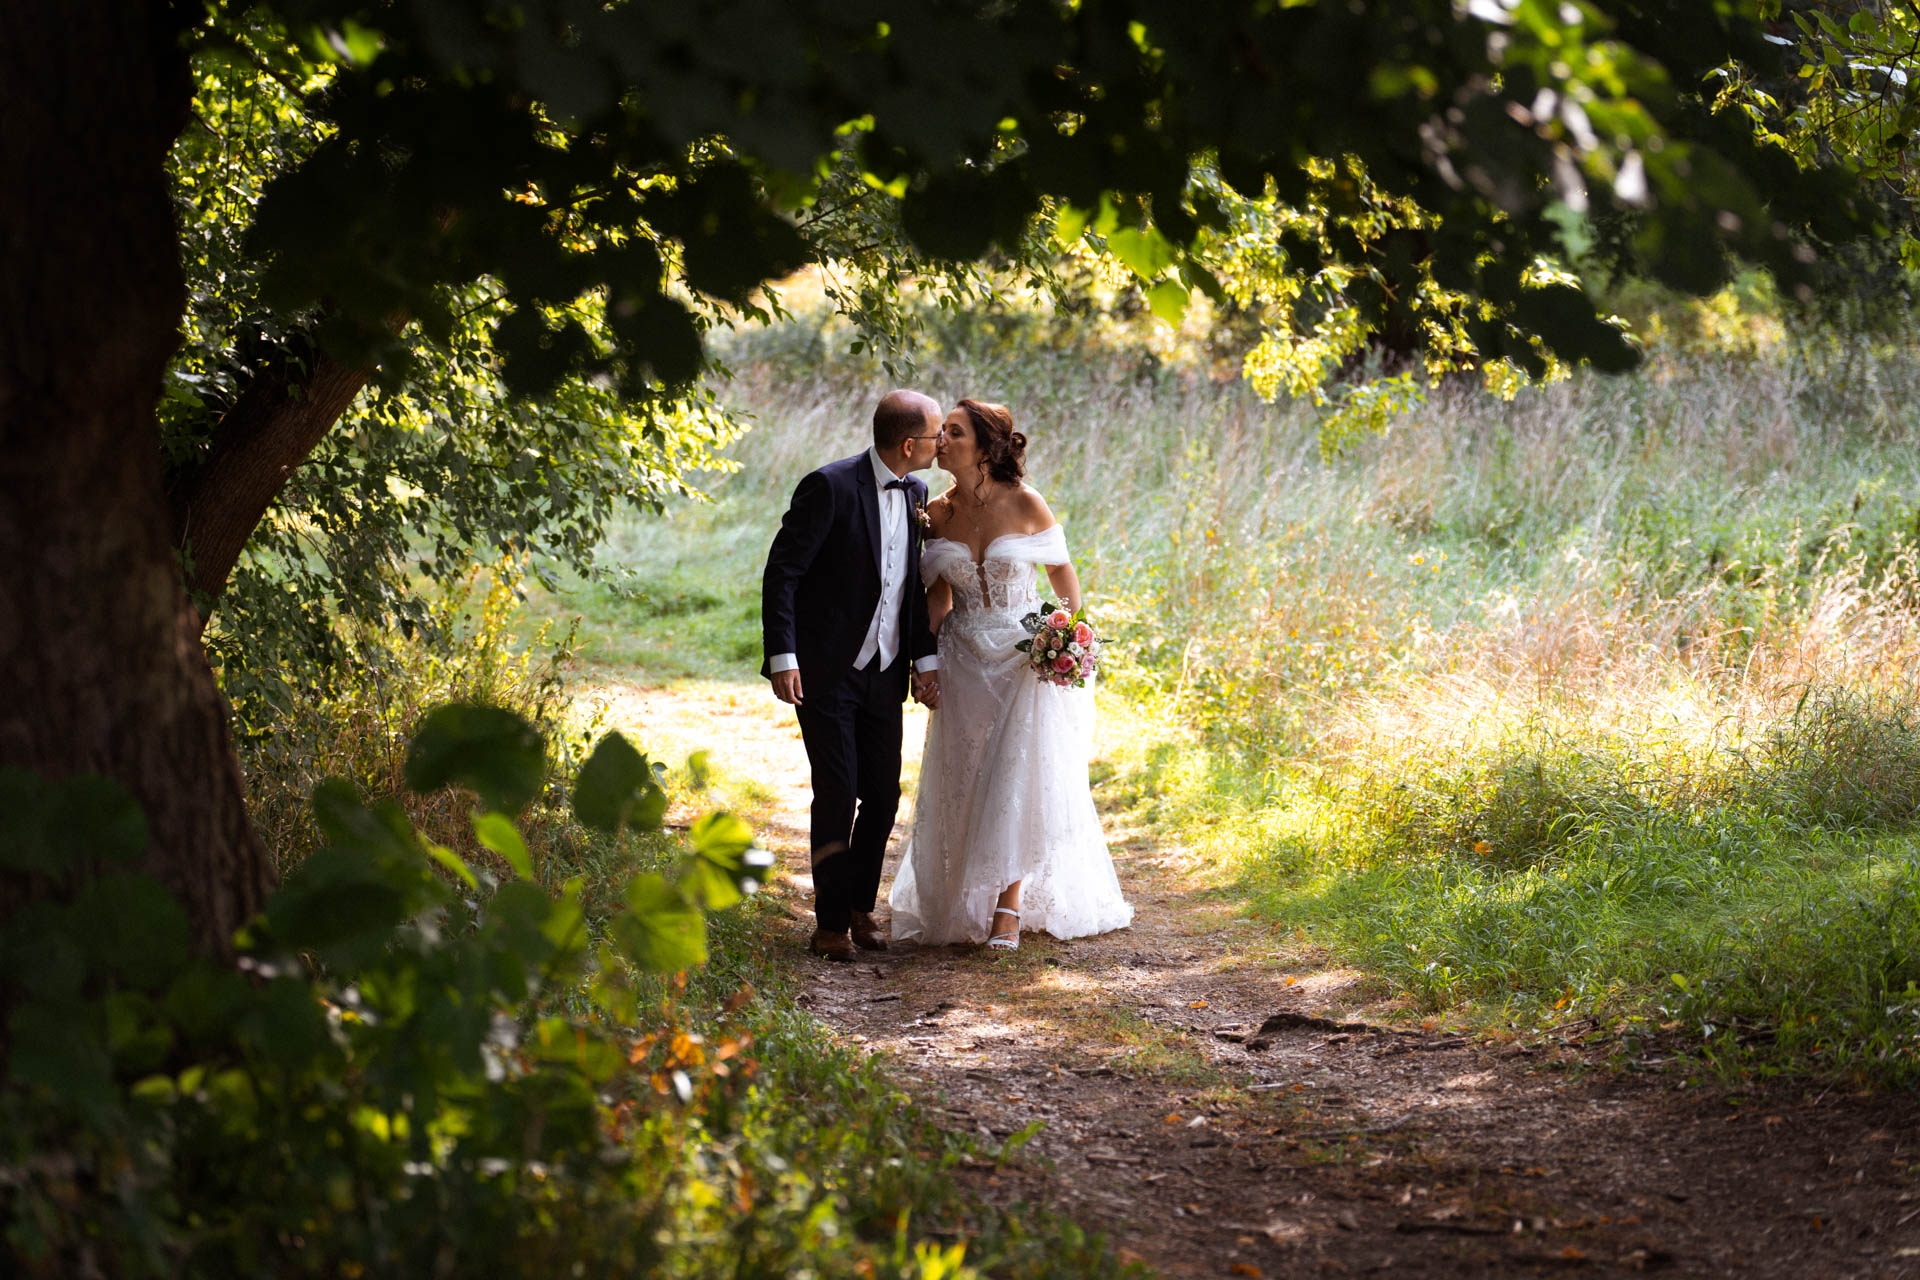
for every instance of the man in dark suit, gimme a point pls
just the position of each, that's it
(845, 617)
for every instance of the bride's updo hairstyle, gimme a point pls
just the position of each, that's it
(1002, 450)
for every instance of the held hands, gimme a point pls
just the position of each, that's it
(926, 688)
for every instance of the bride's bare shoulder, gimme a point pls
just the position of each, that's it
(1030, 510)
(939, 511)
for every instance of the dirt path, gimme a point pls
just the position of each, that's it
(1160, 1114)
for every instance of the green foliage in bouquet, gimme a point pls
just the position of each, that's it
(1047, 644)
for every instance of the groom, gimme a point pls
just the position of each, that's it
(844, 617)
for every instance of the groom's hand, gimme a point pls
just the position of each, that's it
(926, 689)
(786, 686)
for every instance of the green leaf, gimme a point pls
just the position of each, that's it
(559, 1040)
(700, 769)
(612, 989)
(342, 904)
(137, 1037)
(1168, 300)
(155, 1091)
(564, 923)
(1070, 224)
(660, 930)
(944, 216)
(204, 1000)
(343, 818)
(490, 750)
(232, 1094)
(1205, 281)
(290, 1025)
(1106, 217)
(94, 817)
(1147, 252)
(454, 863)
(617, 787)
(724, 866)
(131, 928)
(497, 832)
(721, 838)
(523, 916)
(41, 952)
(709, 886)
(51, 827)
(349, 42)
(63, 1050)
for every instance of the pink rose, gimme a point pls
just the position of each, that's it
(1058, 619)
(1082, 633)
(1064, 664)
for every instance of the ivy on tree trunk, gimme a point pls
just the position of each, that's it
(101, 668)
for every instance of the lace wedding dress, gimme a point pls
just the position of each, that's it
(1003, 781)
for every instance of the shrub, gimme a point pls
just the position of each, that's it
(405, 1075)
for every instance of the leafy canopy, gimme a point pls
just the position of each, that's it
(625, 160)
(1845, 88)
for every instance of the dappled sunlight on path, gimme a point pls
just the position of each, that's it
(1222, 1101)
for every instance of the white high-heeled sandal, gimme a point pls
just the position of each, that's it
(1005, 941)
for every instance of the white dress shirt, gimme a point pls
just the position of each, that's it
(883, 633)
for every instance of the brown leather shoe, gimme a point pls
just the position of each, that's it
(829, 945)
(866, 934)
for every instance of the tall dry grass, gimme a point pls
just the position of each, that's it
(1597, 533)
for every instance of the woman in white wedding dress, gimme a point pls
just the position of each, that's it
(1005, 835)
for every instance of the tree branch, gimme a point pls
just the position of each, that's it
(277, 421)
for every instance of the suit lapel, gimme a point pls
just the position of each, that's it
(870, 509)
(916, 496)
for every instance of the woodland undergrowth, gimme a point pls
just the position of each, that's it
(749, 1141)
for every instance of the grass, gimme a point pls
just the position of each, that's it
(1599, 702)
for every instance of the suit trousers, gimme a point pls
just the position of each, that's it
(852, 736)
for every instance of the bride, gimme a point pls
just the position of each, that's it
(1004, 830)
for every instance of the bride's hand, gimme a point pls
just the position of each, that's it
(926, 690)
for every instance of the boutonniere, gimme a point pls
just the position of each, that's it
(921, 518)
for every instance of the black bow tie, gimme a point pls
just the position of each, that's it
(896, 484)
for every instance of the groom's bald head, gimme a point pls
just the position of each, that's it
(901, 414)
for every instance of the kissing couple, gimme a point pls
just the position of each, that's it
(872, 589)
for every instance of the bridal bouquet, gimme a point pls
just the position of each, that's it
(1062, 647)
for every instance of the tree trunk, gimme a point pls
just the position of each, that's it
(270, 430)
(100, 664)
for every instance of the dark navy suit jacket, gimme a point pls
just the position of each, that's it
(822, 582)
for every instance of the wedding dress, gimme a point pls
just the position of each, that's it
(1003, 780)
